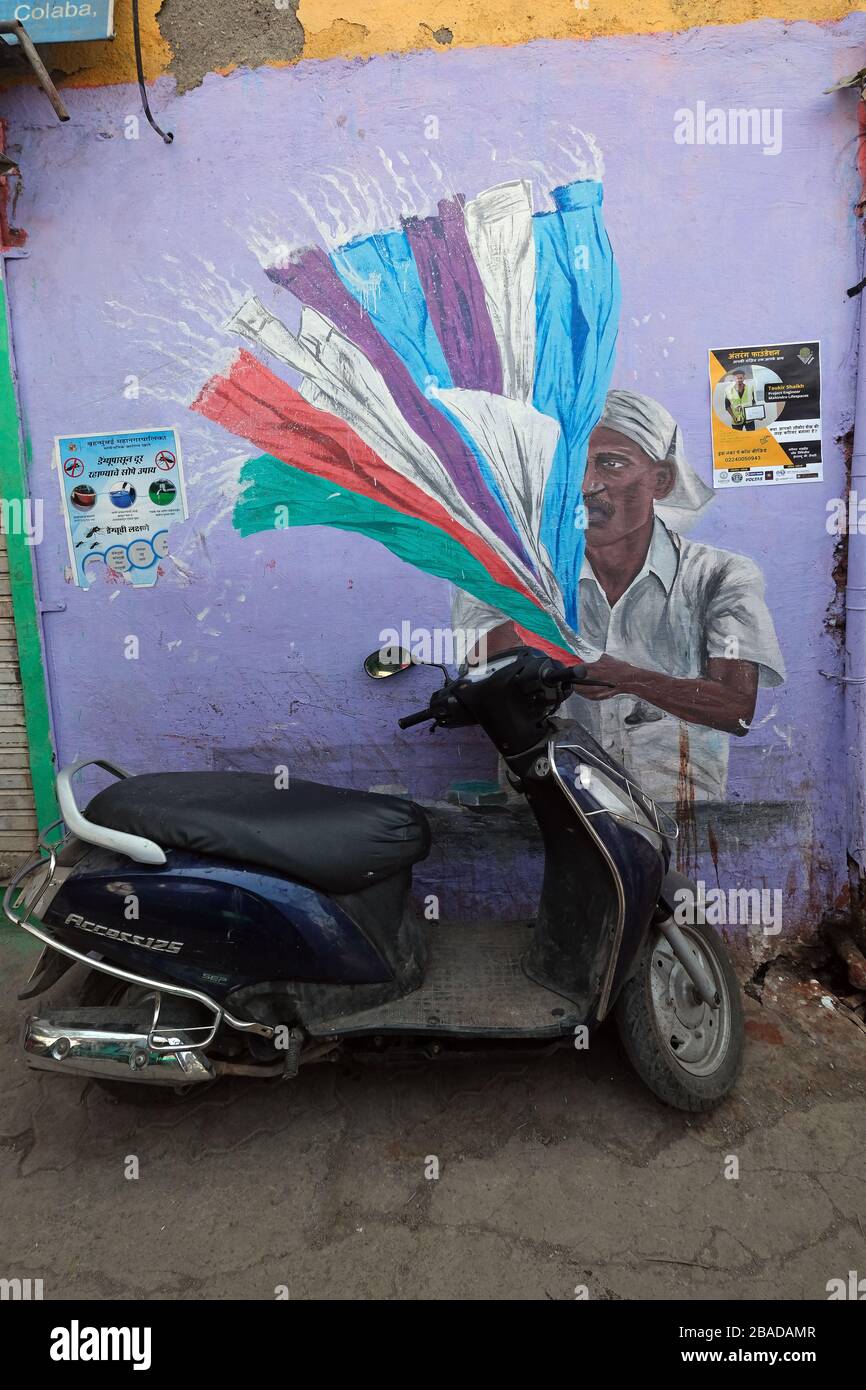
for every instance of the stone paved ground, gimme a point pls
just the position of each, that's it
(554, 1172)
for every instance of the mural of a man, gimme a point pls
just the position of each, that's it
(685, 634)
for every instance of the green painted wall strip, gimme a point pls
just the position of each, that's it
(13, 485)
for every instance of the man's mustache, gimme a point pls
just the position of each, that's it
(596, 503)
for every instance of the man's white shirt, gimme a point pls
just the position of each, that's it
(689, 603)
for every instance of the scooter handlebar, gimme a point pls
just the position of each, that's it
(419, 718)
(537, 678)
(554, 673)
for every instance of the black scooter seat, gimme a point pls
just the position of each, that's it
(328, 837)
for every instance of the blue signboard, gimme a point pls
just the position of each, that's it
(122, 493)
(61, 21)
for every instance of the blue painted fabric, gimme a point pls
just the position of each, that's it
(577, 311)
(381, 273)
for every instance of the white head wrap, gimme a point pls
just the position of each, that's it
(655, 430)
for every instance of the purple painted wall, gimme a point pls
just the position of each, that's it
(250, 650)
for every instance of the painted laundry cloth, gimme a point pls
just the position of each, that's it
(449, 374)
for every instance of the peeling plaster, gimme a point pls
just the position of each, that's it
(188, 41)
(248, 33)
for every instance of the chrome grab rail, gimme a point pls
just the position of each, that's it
(136, 847)
(220, 1013)
(36, 861)
(156, 987)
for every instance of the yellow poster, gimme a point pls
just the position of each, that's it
(765, 413)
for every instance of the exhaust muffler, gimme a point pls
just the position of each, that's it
(110, 1043)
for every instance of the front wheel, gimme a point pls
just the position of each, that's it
(688, 1053)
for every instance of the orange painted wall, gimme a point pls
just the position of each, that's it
(363, 28)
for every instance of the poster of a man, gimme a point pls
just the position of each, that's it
(739, 395)
(683, 631)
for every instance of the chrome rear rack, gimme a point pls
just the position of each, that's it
(20, 910)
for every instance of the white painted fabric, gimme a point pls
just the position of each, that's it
(499, 229)
(518, 443)
(337, 377)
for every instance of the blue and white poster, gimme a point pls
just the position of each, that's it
(122, 493)
(61, 21)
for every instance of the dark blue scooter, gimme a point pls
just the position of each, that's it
(232, 925)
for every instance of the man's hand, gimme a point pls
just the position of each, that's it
(618, 675)
(724, 698)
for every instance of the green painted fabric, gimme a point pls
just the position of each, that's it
(268, 484)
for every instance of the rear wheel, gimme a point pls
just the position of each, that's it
(688, 1053)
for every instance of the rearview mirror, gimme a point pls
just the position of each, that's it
(387, 661)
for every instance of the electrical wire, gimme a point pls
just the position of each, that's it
(167, 136)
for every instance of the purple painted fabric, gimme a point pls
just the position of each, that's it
(455, 296)
(312, 279)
